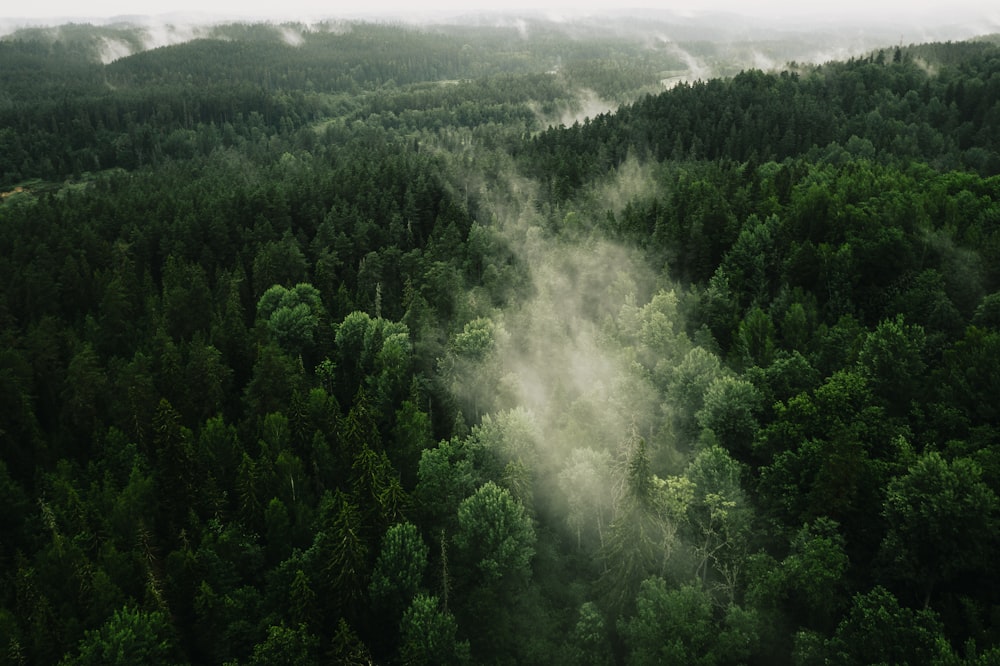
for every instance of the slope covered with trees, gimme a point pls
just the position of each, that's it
(354, 351)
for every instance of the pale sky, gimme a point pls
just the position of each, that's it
(297, 9)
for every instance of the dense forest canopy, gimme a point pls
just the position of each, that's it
(497, 343)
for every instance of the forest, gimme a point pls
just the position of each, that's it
(372, 343)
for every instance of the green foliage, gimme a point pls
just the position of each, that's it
(429, 634)
(813, 572)
(941, 521)
(446, 479)
(292, 315)
(645, 530)
(838, 442)
(686, 384)
(729, 411)
(376, 351)
(267, 311)
(808, 584)
(495, 538)
(878, 630)
(969, 370)
(130, 636)
(677, 626)
(287, 647)
(476, 340)
(472, 365)
(720, 520)
(590, 640)
(399, 568)
(891, 358)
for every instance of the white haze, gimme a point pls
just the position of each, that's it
(894, 9)
(113, 49)
(586, 104)
(909, 19)
(696, 69)
(568, 398)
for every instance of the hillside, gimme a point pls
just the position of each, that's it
(497, 343)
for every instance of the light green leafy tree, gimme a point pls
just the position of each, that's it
(661, 334)
(292, 315)
(645, 530)
(130, 636)
(373, 353)
(755, 339)
(590, 644)
(430, 635)
(473, 367)
(730, 411)
(720, 518)
(495, 536)
(445, 478)
(505, 447)
(685, 385)
(399, 568)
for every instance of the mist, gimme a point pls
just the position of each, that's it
(758, 38)
(586, 103)
(578, 370)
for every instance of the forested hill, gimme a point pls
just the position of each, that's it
(500, 344)
(79, 98)
(932, 103)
